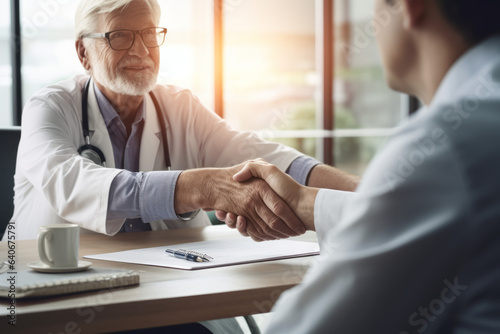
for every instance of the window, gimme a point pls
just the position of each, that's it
(187, 55)
(365, 108)
(270, 65)
(48, 44)
(265, 65)
(272, 78)
(5, 67)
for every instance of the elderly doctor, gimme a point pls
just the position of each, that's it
(114, 151)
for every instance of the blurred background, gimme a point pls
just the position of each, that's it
(302, 72)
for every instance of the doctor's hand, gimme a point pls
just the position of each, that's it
(267, 215)
(299, 198)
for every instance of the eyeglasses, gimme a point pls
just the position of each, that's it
(123, 39)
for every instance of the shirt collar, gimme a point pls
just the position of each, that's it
(109, 113)
(471, 64)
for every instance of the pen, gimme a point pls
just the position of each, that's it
(189, 255)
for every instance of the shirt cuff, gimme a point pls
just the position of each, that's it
(328, 207)
(300, 168)
(157, 196)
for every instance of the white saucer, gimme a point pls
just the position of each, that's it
(42, 267)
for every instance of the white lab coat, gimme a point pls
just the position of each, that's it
(54, 184)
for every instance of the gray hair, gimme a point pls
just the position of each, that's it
(88, 11)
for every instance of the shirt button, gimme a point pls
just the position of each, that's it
(130, 225)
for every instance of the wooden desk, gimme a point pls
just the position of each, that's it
(164, 297)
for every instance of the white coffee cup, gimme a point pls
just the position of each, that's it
(58, 245)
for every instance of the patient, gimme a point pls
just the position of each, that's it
(417, 248)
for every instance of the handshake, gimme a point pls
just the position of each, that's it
(255, 197)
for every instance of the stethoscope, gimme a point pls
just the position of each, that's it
(93, 153)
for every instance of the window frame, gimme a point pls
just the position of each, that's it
(15, 38)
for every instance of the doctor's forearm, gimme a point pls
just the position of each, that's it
(190, 193)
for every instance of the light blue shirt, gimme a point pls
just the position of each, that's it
(417, 248)
(140, 196)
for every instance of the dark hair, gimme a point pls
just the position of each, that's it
(475, 19)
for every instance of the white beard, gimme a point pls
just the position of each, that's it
(120, 82)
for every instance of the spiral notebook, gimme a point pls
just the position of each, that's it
(28, 284)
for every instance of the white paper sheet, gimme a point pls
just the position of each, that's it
(224, 253)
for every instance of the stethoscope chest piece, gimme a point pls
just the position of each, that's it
(92, 153)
